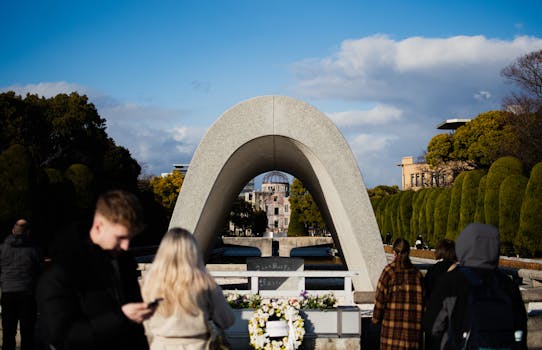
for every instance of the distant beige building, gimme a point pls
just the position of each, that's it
(418, 175)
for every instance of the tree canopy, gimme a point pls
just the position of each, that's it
(308, 212)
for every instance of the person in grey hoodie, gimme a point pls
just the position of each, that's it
(20, 262)
(477, 249)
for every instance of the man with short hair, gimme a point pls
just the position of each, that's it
(454, 318)
(20, 262)
(91, 300)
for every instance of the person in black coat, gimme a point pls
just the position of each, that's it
(20, 263)
(90, 298)
(445, 254)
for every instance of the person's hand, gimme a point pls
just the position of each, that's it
(138, 312)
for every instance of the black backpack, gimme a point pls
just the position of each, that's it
(489, 317)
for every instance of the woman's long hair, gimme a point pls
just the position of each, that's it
(401, 247)
(178, 275)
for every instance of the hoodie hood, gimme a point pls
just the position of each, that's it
(478, 246)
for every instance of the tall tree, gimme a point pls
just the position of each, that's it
(526, 105)
(484, 139)
(166, 189)
(526, 73)
(309, 213)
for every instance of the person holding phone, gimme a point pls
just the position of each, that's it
(190, 295)
(89, 298)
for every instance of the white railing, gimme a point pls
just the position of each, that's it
(253, 276)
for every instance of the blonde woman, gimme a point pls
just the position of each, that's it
(190, 295)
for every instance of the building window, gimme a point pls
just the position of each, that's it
(285, 221)
(417, 179)
(286, 208)
(250, 196)
(276, 211)
(275, 199)
(411, 180)
(276, 223)
(423, 179)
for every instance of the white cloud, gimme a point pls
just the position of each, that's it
(367, 144)
(380, 114)
(415, 83)
(482, 95)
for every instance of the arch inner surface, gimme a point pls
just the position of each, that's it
(280, 133)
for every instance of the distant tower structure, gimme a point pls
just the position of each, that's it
(274, 199)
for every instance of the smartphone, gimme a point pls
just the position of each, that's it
(155, 302)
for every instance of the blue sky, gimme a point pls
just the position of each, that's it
(161, 72)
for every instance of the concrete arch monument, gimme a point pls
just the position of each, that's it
(281, 133)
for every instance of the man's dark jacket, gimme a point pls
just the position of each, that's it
(79, 302)
(477, 247)
(20, 262)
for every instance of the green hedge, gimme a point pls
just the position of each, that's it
(442, 206)
(510, 199)
(455, 206)
(499, 170)
(430, 214)
(469, 196)
(479, 215)
(529, 240)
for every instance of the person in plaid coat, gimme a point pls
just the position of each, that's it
(399, 301)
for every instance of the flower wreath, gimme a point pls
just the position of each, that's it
(276, 309)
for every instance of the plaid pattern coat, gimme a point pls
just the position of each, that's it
(398, 307)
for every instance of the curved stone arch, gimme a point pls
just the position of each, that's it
(280, 133)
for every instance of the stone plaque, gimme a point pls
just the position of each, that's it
(276, 264)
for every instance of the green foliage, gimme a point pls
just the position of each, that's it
(469, 197)
(482, 140)
(82, 180)
(166, 189)
(56, 133)
(499, 170)
(65, 130)
(296, 227)
(382, 191)
(302, 201)
(380, 213)
(529, 239)
(455, 207)
(259, 222)
(510, 199)
(17, 184)
(405, 211)
(479, 215)
(439, 149)
(430, 205)
(120, 169)
(416, 226)
(390, 216)
(241, 214)
(422, 221)
(442, 206)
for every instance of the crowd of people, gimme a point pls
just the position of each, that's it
(90, 296)
(463, 302)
